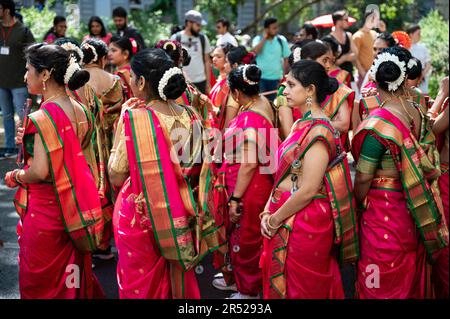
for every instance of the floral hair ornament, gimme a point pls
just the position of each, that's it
(402, 38)
(165, 79)
(134, 46)
(297, 54)
(71, 69)
(244, 75)
(94, 52)
(387, 57)
(169, 44)
(68, 46)
(412, 63)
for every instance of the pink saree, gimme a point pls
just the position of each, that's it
(160, 233)
(245, 240)
(61, 220)
(300, 262)
(401, 215)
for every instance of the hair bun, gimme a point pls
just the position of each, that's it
(332, 86)
(253, 73)
(78, 80)
(388, 72)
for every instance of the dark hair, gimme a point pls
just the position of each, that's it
(186, 57)
(239, 55)
(413, 29)
(389, 71)
(333, 45)
(338, 15)
(416, 71)
(9, 5)
(388, 38)
(75, 53)
(224, 22)
(55, 59)
(119, 12)
(56, 21)
(175, 51)
(236, 79)
(89, 46)
(152, 64)
(311, 30)
(124, 43)
(225, 47)
(99, 21)
(269, 21)
(309, 72)
(298, 44)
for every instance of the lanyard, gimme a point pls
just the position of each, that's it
(7, 35)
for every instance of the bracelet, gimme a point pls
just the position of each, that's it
(270, 226)
(16, 176)
(266, 212)
(234, 199)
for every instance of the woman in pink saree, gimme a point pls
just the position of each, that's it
(160, 232)
(402, 230)
(247, 177)
(309, 217)
(60, 212)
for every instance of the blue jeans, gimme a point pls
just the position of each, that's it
(267, 86)
(12, 101)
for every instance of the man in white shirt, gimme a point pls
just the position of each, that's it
(420, 51)
(197, 45)
(224, 35)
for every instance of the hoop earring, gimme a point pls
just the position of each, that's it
(309, 102)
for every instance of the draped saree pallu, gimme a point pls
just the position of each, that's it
(161, 233)
(241, 261)
(300, 260)
(60, 221)
(341, 75)
(402, 225)
(105, 123)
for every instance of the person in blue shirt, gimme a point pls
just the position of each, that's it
(272, 51)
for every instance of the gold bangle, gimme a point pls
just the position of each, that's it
(266, 212)
(269, 225)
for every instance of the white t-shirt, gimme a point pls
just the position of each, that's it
(195, 71)
(420, 52)
(227, 38)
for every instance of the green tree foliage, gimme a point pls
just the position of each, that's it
(434, 32)
(38, 21)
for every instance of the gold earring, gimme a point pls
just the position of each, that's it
(309, 101)
(44, 87)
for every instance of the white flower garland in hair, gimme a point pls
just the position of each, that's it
(244, 75)
(71, 69)
(68, 46)
(412, 63)
(88, 46)
(297, 54)
(387, 57)
(165, 79)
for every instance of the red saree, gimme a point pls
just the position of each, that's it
(124, 74)
(245, 240)
(61, 221)
(299, 262)
(401, 225)
(160, 232)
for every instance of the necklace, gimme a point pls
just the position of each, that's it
(54, 97)
(247, 106)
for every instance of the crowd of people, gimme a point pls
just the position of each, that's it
(146, 147)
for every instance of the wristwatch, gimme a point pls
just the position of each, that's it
(234, 199)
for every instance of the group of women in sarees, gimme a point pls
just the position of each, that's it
(174, 175)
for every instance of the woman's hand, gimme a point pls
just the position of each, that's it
(234, 211)
(11, 179)
(369, 92)
(269, 225)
